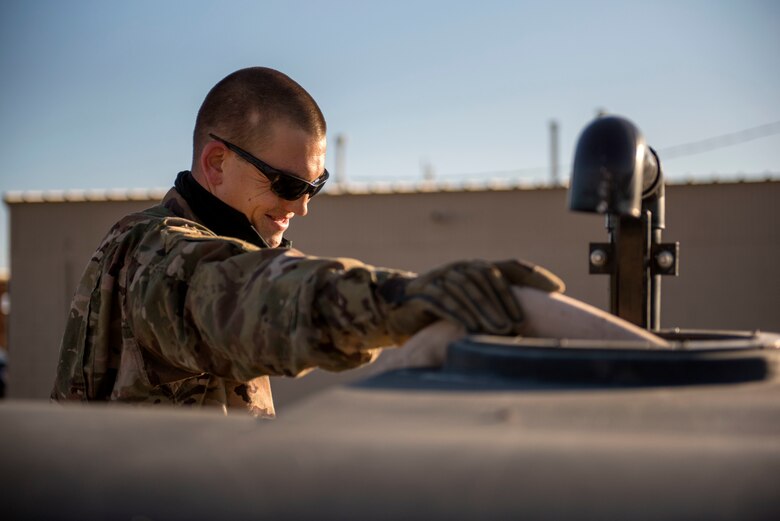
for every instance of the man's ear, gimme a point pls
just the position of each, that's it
(211, 162)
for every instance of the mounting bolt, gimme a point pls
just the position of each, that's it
(665, 260)
(598, 258)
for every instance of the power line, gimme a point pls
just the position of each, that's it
(725, 140)
(671, 152)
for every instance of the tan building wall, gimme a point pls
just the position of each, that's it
(729, 235)
(3, 313)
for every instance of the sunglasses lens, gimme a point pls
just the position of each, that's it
(291, 188)
(314, 191)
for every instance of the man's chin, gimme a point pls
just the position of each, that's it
(273, 240)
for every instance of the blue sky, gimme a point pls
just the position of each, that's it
(103, 94)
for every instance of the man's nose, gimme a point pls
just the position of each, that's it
(299, 206)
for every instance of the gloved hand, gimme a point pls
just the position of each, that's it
(476, 294)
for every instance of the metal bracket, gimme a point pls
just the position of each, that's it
(601, 258)
(666, 259)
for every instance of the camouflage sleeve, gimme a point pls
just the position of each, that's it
(211, 304)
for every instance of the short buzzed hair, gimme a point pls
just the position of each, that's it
(244, 104)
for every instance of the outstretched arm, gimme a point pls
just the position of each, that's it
(547, 315)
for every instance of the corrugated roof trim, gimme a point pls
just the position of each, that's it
(411, 187)
(715, 179)
(78, 196)
(378, 187)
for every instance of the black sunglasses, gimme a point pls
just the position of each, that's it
(287, 186)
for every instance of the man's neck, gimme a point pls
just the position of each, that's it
(218, 216)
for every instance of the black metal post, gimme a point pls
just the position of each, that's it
(617, 174)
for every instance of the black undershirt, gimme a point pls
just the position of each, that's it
(216, 215)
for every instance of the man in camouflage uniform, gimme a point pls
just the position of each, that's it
(198, 300)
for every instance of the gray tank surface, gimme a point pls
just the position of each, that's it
(443, 443)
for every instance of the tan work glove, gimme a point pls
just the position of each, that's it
(476, 294)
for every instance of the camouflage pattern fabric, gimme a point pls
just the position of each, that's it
(168, 312)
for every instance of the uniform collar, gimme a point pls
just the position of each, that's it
(216, 215)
